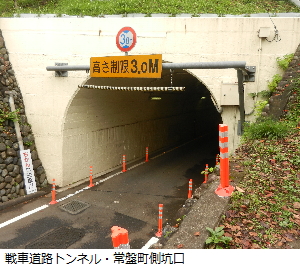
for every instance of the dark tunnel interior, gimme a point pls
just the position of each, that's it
(120, 122)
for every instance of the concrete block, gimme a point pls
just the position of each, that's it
(206, 212)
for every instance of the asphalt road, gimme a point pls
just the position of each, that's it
(129, 200)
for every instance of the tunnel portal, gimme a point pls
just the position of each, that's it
(102, 125)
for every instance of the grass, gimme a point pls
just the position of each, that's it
(266, 129)
(102, 7)
(265, 207)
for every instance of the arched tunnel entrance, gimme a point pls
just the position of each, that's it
(102, 125)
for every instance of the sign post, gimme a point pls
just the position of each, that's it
(28, 173)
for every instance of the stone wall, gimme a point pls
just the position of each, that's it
(11, 176)
(283, 94)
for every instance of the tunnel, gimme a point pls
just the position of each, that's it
(103, 125)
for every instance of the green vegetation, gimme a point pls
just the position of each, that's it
(259, 106)
(274, 82)
(173, 7)
(264, 94)
(266, 129)
(217, 238)
(28, 143)
(271, 86)
(264, 211)
(209, 170)
(179, 221)
(284, 62)
(8, 115)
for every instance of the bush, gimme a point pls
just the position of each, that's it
(284, 62)
(265, 129)
(274, 82)
(259, 106)
(265, 93)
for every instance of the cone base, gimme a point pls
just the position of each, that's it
(53, 202)
(224, 192)
(158, 234)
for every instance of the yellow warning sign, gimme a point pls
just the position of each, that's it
(142, 66)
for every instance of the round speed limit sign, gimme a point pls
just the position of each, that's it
(126, 39)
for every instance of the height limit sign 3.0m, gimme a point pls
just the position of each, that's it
(126, 39)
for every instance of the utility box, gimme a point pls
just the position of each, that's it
(264, 32)
(229, 94)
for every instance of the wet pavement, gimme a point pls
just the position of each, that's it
(83, 216)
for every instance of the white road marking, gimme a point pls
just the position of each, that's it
(136, 165)
(109, 177)
(23, 215)
(152, 241)
(45, 206)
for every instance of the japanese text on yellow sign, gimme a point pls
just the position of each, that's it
(143, 66)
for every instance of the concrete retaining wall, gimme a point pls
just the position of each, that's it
(34, 43)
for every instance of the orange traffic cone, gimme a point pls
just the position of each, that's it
(53, 193)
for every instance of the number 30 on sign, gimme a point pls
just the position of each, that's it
(126, 39)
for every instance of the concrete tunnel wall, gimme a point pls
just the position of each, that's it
(103, 125)
(35, 43)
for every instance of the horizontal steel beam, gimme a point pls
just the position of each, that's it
(248, 71)
(68, 68)
(166, 66)
(205, 65)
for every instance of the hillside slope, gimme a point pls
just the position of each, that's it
(99, 8)
(265, 208)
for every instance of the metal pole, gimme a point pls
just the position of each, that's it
(68, 68)
(205, 65)
(166, 66)
(16, 123)
(241, 98)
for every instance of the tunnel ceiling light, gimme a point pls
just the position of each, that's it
(143, 89)
(155, 98)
